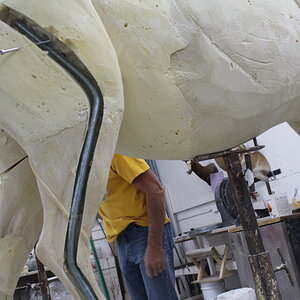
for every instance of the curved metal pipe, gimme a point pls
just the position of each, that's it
(95, 119)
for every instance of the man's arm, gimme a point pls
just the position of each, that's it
(154, 258)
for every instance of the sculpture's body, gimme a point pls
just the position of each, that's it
(197, 77)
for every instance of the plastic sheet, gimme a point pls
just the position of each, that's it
(238, 294)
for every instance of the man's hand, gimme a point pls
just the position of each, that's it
(154, 261)
(154, 256)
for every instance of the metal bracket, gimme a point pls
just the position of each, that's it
(284, 267)
(43, 42)
(280, 268)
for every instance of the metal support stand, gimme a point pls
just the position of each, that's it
(260, 260)
(43, 280)
(263, 273)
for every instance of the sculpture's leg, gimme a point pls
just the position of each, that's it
(55, 182)
(21, 213)
(54, 112)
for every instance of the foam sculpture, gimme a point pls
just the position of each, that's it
(187, 77)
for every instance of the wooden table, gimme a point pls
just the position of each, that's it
(267, 221)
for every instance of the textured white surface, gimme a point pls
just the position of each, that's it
(203, 76)
(21, 216)
(37, 92)
(197, 76)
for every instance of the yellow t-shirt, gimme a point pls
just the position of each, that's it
(123, 203)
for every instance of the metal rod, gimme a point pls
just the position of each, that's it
(99, 270)
(255, 141)
(43, 42)
(264, 281)
(4, 51)
(78, 200)
(226, 152)
(42, 279)
(268, 186)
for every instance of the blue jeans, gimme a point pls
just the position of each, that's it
(132, 243)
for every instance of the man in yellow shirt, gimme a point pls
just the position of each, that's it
(133, 212)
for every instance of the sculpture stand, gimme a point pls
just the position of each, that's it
(43, 280)
(266, 285)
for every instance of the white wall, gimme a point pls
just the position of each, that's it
(191, 198)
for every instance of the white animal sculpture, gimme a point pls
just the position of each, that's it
(197, 77)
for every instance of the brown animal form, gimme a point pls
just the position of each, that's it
(260, 165)
(203, 172)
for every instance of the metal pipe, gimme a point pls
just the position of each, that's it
(42, 276)
(99, 270)
(77, 206)
(264, 277)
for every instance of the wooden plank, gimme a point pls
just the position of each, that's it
(214, 278)
(268, 221)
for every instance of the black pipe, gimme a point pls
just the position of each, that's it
(86, 157)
